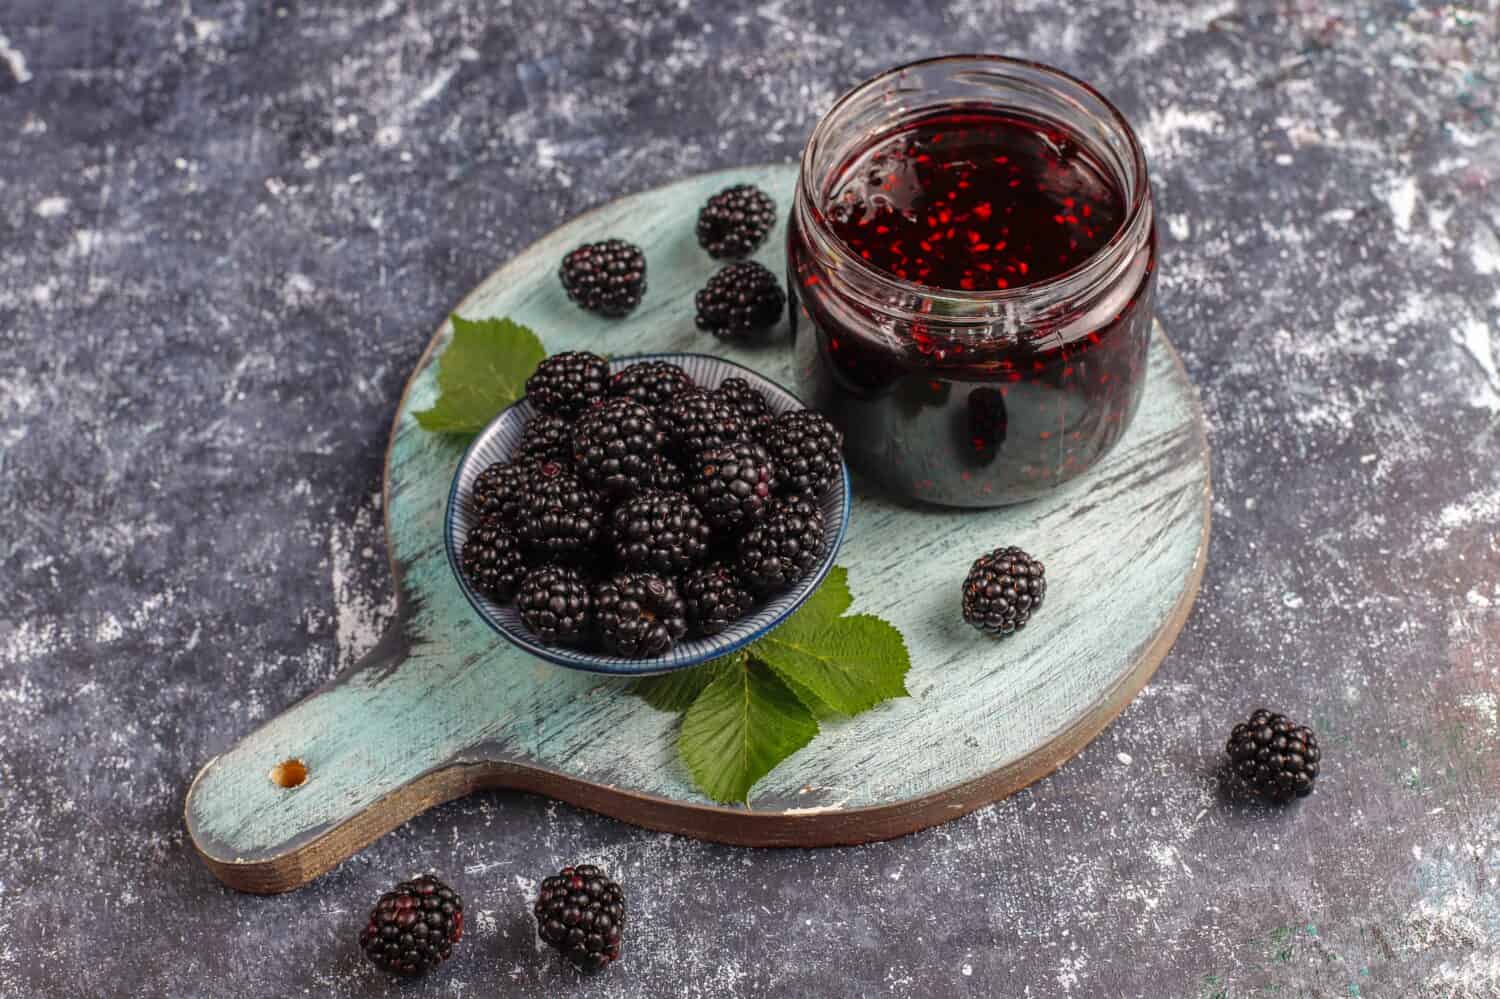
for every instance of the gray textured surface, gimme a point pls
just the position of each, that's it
(226, 232)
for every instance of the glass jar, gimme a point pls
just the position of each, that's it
(972, 396)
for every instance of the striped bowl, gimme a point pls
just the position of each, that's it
(496, 443)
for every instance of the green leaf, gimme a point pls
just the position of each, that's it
(744, 723)
(849, 664)
(677, 691)
(482, 370)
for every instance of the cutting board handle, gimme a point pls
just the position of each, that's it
(321, 781)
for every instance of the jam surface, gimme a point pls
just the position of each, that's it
(970, 200)
(975, 200)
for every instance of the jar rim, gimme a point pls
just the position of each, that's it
(1139, 195)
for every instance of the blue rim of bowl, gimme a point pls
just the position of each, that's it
(615, 665)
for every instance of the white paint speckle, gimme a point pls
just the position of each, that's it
(15, 60)
(110, 630)
(1125, 758)
(52, 206)
(1403, 202)
(967, 970)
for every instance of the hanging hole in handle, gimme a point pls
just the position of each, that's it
(289, 773)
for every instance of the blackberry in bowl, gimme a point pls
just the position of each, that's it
(626, 556)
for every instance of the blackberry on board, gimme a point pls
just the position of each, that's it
(734, 222)
(697, 420)
(500, 490)
(659, 531)
(568, 383)
(1274, 756)
(650, 383)
(739, 301)
(413, 927)
(748, 404)
(715, 598)
(617, 446)
(555, 603)
(783, 548)
(547, 435)
(492, 558)
(639, 614)
(580, 913)
(807, 450)
(1003, 589)
(732, 485)
(607, 278)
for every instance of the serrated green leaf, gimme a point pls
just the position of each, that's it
(678, 690)
(744, 723)
(482, 370)
(829, 600)
(850, 664)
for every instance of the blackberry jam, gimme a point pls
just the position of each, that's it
(971, 252)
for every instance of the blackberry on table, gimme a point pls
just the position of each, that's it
(492, 558)
(732, 485)
(580, 913)
(616, 446)
(1003, 589)
(748, 404)
(783, 548)
(555, 603)
(568, 383)
(715, 598)
(739, 301)
(806, 449)
(546, 436)
(1274, 756)
(639, 614)
(607, 278)
(734, 222)
(697, 420)
(500, 490)
(659, 532)
(563, 519)
(413, 927)
(650, 383)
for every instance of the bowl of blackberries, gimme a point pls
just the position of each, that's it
(646, 514)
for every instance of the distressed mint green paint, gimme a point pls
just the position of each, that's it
(1121, 547)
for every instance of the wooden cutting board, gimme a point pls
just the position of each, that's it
(442, 706)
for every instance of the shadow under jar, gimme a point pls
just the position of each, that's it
(971, 254)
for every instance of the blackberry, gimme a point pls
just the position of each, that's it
(580, 913)
(1274, 756)
(413, 927)
(747, 403)
(500, 490)
(732, 486)
(617, 446)
(638, 615)
(697, 420)
(736, 221)
(666, 476)
(1003, 590)
(659, 531)
(563, 519)
(741, 300)
(555, 604)
(568, 383)
(806, 449)
(492, 558)
(783, 548)
(715, 598)
(546, 436)
(650, 383)
(607, 278)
